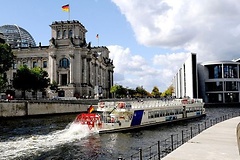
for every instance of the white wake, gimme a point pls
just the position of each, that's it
(22, 147)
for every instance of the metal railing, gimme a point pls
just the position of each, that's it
(163, 147)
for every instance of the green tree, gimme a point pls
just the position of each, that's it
(118, 91)
(30, 79)
(141, 92)
(54, 86)
(155, 92)
(113, 90)
(6, 62)
(131, 92)
(40, 77)
(168, 92)
(3, 82)
(23, 80)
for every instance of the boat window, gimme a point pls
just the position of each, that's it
(149, 115)
(167, 113)
(156, 114)
(152, 114)
(128, 106)
(161, 113)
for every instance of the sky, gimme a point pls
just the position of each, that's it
(148, 40)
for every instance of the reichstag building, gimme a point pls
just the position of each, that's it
(79, 69)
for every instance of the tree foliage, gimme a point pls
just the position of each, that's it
(3, 82)
(141, 92)
(168, 92)
(54, 86)
(41, 78)
(6, 58)
(23, 79)
(119, 91)
(6, 61)
(155, 92)
(34, 79)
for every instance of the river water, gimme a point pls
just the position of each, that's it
(56, 137)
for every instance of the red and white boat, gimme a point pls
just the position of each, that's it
(122, 116)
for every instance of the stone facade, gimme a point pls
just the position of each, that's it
(79, 69)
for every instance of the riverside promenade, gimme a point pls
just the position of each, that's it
(219, 142)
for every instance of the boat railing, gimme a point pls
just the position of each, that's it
(150, 103)
(163, 103)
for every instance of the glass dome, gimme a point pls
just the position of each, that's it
(17, 36)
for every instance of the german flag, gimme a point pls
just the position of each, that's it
(90, 109)
(66, 8)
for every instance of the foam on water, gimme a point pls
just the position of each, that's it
(39, 143)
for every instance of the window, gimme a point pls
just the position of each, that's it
(34, 64)
(215, 71)
(25, 64)
(230, 71)
(214, 86)
(44, 64)
(64, 34)
(231, 86)
(69, 33)
(14, 65)
(64, 63)
(58, 34)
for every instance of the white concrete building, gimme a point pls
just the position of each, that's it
(185, 82)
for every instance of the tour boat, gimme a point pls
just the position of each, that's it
(129, 115)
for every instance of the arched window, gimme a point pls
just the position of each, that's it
(64, 34)
(58, 34)
(69, 33)
(64, 63)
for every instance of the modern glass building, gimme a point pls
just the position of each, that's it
(17, 36)
(219, 81)
(214, 82)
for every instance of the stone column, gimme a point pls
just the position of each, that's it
(52, 65)
(71, 68)
(85, 70)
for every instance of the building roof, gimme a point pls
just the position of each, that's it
(17, 36)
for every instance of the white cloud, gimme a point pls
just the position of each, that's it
(132, 70)
(209, 28)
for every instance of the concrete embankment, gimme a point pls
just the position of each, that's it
(30, 108)
(219, 142)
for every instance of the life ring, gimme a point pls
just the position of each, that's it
(112, 120)
(99, 124)
(101, 104)
(121, 105)
(184, 101)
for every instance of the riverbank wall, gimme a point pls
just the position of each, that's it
(33, 108)
(19, 108)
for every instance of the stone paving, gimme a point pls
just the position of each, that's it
(218, 142)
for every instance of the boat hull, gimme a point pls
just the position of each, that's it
(131, 128)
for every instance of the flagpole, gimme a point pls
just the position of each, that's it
(97, 36)
(66, 8)
(69, 15)
(69, 12)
